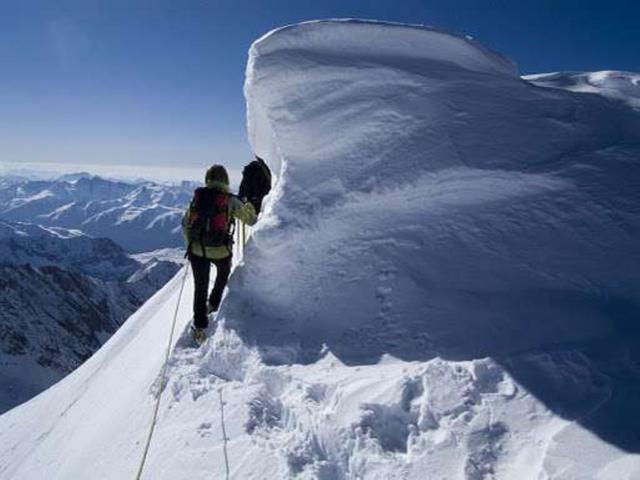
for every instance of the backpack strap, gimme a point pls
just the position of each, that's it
(188, 224)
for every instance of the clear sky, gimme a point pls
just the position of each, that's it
(159, 83)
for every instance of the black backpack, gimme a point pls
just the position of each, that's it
(256, 182)
(208, 220)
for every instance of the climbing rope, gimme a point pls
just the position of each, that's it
(163, 378)
(224, 433)
(242, 233)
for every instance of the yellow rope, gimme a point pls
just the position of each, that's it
(242, 237)
(224, 433)
(163, 379)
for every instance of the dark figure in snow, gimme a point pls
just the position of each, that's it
(207, 228)
(256, 183)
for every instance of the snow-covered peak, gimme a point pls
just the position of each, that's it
(72, 177)
(139, 216)
(624, 86)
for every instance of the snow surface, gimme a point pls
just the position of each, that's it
(623, 86)
(452, 203)
(443, 284)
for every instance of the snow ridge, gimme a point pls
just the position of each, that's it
(622, 86)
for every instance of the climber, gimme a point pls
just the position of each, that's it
(207, 227)
(256, 182)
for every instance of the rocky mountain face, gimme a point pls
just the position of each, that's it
(63, 294)
(22, 243)
(138, 216)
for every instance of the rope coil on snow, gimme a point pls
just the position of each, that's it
(163, 379)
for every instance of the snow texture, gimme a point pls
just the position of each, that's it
(459, 209)
(443, 284)
(622, 86)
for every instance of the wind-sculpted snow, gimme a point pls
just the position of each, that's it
(429, 205)
(621, 86)
(443, 284)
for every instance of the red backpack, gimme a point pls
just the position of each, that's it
(209, 218)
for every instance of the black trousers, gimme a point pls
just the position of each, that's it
(201, 268)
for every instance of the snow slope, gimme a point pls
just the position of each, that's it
(443, 284)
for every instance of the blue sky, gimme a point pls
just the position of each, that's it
(159, 83)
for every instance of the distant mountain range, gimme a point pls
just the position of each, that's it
(139, 216)
(68, 272)
(63, 294)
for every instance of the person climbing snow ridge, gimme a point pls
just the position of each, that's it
(207, 226)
